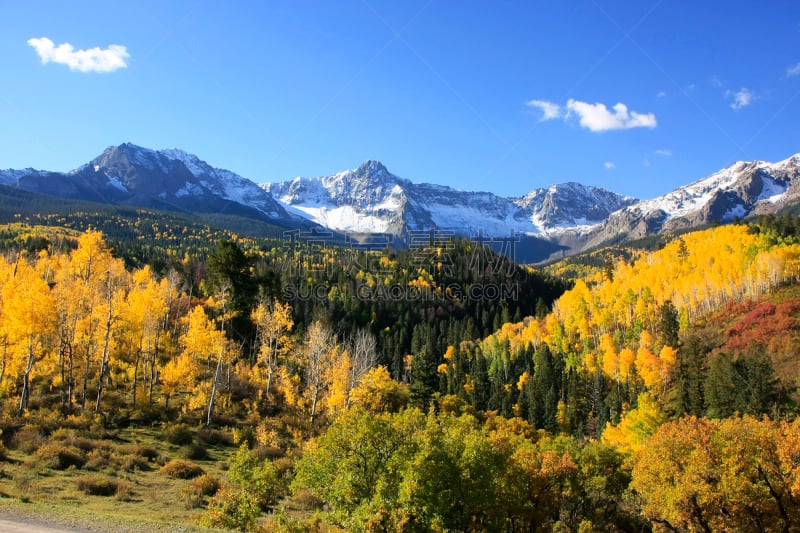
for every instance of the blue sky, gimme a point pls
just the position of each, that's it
(500, 96)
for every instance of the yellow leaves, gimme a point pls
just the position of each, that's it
(91, 258)
(181, 371)
(610, 356)
(590, 363)
(339, 378)
(523, 379)
(449, 353)
(646, 340)
(378, 392)
(626, 360)
(697, 474)
(648, 367)
(273, 324)
(28, 305)
(634, 428)
(202, 339)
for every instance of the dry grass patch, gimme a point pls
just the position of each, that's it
(182, 469)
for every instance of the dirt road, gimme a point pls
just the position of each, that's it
(25, 525)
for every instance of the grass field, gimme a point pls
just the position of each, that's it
(36, 484)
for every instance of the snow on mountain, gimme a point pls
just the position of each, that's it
(180, 175)
(571, 206)
(370, 199)
(164, 179)
(744, 188)
(11, 176)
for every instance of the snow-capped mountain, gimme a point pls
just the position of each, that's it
(742, 189)
(561, 219)
(162, 179)
(370, 199)
(11, 176)
(571, 206)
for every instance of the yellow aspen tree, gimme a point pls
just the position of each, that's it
(630, 435)
(379, 393)
(29, 313)
(179, 373)
(648, 367)
(338, 397)
(113, 292)
(87, 268)
(668, 357)
(317, 359)
(610, 356)
(145, 316)
(273, 324)
(362, 349)
(626, 362)
(6, 271)
(203, 341)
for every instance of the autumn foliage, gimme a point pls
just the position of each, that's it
(622, 408)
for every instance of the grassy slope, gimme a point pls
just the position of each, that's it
(33, 491)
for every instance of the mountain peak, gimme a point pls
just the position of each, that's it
(372, 166)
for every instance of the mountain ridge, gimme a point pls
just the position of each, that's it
(559, 219)
(355, 200)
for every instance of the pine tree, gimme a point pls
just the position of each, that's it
(424, 375)
(670, 326)
(689, 379)
(720, 387)
(544, 387)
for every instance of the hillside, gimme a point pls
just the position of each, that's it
(250, 365)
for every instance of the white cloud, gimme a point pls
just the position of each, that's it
(550, 110)
(664, 152)
(716, 82)
(661, 94)
(609, 165)
(741, 98)
(794, 70)
(597, 117)
(91, 60)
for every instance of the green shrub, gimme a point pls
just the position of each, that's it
(28, 439)
(178, 434)
(146, 452)
(182, 469)
(193, 451)
(98, 459)
(198, 489)
(95, 485)
(59, 456)
(255, 476)
(132, 462)
(232, 509)
(124, 492)
(204, 485)
(214, 437)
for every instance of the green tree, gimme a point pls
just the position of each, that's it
(544, 389)
(424, 375)
(356, 465)
(720, 390)
(670, 325)
(689, 378)
(254, 475)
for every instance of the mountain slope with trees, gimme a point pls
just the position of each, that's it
(437, 388)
